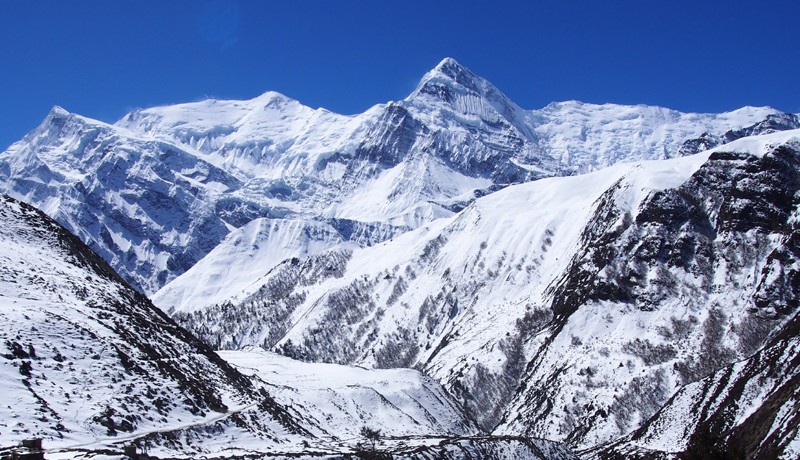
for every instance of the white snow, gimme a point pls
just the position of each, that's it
(761, 145)
(244, 257)
(399, 402)
(167, 183)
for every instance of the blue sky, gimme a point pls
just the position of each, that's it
(104, 58)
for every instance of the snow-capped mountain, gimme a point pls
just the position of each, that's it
(561, 273)
(90, 365)
(157, 191)
(568, 308)
(772, 123)
(143, 205)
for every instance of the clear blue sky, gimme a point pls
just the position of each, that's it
(104, 58)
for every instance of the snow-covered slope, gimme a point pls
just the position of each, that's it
(455, 126)
(771, 124)
(587, 137)
(330, 405)
(89, 365)
(746, 410)
(145, 206)
(249, 137)
(158, 190)
(87, 361)
(567, 308)
(342, 399)
(243, 258)
(660, 295)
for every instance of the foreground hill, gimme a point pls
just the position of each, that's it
(86, 358)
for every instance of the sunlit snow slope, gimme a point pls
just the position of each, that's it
(342, 399)
(746, 410)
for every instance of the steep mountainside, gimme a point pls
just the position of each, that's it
(745, 410)
(236, 264)
(659, 296)
(87, 359)
(158, 190)
(567, 308)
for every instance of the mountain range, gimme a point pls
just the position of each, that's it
(619, 279)
(159, 189)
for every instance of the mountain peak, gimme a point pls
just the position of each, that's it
(56, 113)
(55, 121)
(464, 92)
(449, 75)
(275, 99)
(57, 110)
(450, 66)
